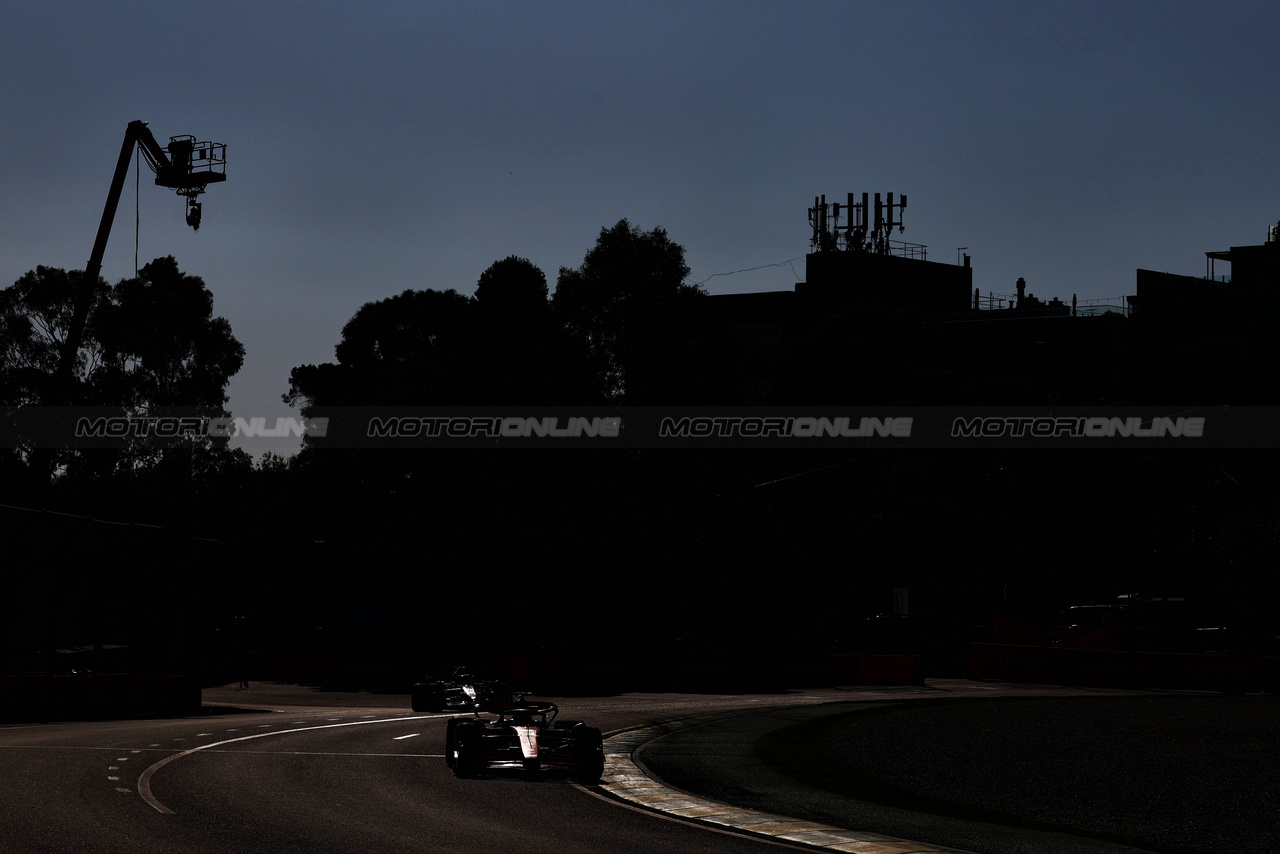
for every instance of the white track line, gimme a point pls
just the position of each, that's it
(144, 782)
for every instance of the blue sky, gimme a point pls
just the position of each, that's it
(386, 146)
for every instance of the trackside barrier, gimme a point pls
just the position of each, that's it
(1230, 674)
(718, 671)
(44, 698)
(554, 672)
(890, 670)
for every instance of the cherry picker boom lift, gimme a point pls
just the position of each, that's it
(187, 166)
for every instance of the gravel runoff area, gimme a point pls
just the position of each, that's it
(1167, 773)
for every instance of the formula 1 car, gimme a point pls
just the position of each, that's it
(523, 736)
(461, 690)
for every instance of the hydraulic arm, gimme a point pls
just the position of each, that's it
(187, 167)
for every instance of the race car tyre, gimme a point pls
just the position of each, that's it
(428, 697)
(590, 748)
(500, 691)
(464, 749)
(450, 740)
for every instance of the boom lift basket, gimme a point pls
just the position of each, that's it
(193, 164)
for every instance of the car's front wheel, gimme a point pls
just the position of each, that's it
(464, 751)
(451, 740)
(590, 749)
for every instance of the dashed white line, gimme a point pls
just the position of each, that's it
(403, 737)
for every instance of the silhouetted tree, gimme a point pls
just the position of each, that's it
(161, 344)
(503, 347)
(433, 348)
(150, 341)
(523, 353)
(630, 306)
(513, 290)
(406, 350)
(35, 314)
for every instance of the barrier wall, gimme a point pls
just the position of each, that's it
(1231, 674)
(583, 674)
(46, 698)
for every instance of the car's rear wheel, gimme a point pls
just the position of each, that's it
(428, 697)
(418, 698)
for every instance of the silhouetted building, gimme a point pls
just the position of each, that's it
(1179, 339)
(1212, 340)
(855, 261)
(852, 263)
(769, 318)
(838, 278)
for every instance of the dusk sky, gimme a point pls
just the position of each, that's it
(388, 146)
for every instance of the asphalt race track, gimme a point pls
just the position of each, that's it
(329, 772)
(321, 772)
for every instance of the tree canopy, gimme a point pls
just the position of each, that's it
(512, 289)
(628, 304)
(161, 344)
(35, 316)
(149, 341)
(434, 348)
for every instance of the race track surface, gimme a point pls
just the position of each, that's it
(285, 768)
(320, 773)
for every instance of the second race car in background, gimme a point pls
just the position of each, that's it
(461, 691)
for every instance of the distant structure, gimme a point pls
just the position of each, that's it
(1179, 339)
(859, 233)
(853, 260)
(1217, 334)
